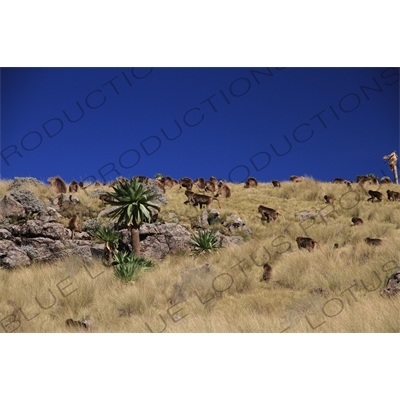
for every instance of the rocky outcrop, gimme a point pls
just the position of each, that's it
(159, 239)
(9, 207)
(11, 255)
(392, 286)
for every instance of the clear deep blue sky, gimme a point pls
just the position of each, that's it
(270, 123)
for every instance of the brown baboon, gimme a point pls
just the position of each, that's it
(306, 243)
(200, 183)
(97, 183)
(393, 196)
(112, 183)
(374, 195)
(267, 274)
(336, 246)
(186, 183)
(269, 213)
(204, 200)
(167, 182)
(339, 180)
(373, 241)
(73, 226)
(360, 178)
(58, 184)
(104, 197)
(386, 179)
(357, 221)
(276, 183)
(250, 182)
(189, 194)
(328, 199)
(222, 182)
(223, 191)
(73, 187)
(81, 185)
(210, 186)
(214, 180)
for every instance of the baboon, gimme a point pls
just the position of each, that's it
(82, 184)
(73, 186)
(386, 179)
(360, 178)
(328, 199)
(189, 194)
(200, 183)
(374, 195)
(210, 186)
(250, 182)
(186, 183)
(223, 191)
(104, 197)
(214, 180)
(367, 179)
(336, 246)
(269, 213)
(112, 183)
(97, 183)
(73, 226)
(393, 196)
(167, 182)
(58, 184)
(222, 182)
(295, 178)
(306, 243)
(357, 221)
(276, 183)
(204, 200)
(267, 274)
(373, 241)
(339, 180)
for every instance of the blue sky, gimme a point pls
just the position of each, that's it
(270, 123)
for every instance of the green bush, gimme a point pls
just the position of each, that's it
(128, 266)
(204, 242)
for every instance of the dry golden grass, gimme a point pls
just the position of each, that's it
(327, 290)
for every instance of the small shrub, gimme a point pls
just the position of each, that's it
(204, 242)
(128, 266)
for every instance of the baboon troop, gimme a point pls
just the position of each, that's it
(186, 183)
(306, 243)
(374, 195)
(267, 274)
(295, 178)
(250, 182)
(73, 226)
(393, 196)
(269, 214)
(373, 241)
(58, 184)
(357, 221)
(276, 183)
(328, 199)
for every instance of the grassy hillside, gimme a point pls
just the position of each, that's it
(327, 290)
